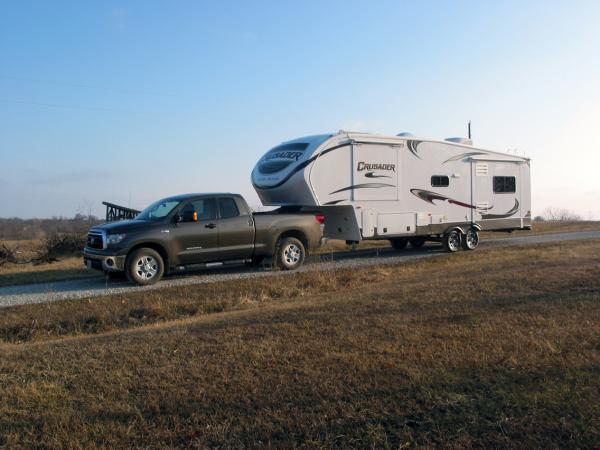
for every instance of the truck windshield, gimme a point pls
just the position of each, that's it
(158, 210)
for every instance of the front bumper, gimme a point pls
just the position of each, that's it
(105, 263)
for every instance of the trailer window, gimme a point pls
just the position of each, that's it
(440, 181)
(505, 184)
(228, 208)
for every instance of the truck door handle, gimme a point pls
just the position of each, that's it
(211, 225)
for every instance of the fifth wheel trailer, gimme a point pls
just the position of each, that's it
(401, 188)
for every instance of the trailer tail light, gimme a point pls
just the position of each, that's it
(320, 218)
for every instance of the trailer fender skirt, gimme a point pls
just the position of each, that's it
(457, 228)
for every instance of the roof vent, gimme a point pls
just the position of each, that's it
(460, 140)
(405, 134)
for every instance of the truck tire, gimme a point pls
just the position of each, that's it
(399, 243)
(452, 241)
(289, 253)
(470, 239)
(144, 266)
(417, 242)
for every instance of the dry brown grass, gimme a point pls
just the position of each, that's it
(538, 228)
(549, 227)
(497, 348)
(67, 268)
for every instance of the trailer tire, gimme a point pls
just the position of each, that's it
(399, 243)
(417, 242)
(144, 266)
(470, 240)
(289, 253)
(452, 241)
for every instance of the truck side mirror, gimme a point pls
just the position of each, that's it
(178, 218)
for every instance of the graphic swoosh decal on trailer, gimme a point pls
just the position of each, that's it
(429, 197)
(363, 186)
(372, 175)
(509, 213)
(463, 156)
(413, 147)
(301, 166)
(334, 202)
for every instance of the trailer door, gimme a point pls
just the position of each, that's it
(375, 172)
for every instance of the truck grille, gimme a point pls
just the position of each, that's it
(95, 240)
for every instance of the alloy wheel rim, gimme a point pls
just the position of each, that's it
(146, 267)
(472, 239)
(292, 254)
(454, 241)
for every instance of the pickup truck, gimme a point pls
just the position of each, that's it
(190, 230)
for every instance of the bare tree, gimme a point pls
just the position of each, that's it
(561, 215)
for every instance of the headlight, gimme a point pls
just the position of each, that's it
(114, 238)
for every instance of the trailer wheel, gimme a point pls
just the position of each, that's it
(144, 266)
(417, 242)
(289, 253)
(399, 243)
(452, 241)
(470, 239)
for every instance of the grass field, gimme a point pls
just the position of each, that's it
(68, 268)
(494, 348)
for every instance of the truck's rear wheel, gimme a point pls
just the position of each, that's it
(144, 266)
(452, 241)
(289, 254)
(399, 243)
(417, 242)
(470, 239)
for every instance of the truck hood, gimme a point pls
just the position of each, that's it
(124, 226)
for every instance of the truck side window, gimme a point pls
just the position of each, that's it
(228, 208)
(205, 207)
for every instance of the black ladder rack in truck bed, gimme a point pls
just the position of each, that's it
(116, 212)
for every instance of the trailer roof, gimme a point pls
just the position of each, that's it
(382, 138)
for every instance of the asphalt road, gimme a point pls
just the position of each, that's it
(94, 287)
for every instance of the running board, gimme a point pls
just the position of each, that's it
(212, 264)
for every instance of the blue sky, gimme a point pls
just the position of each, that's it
(132, 101)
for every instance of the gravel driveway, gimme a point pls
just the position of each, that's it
(93, 287)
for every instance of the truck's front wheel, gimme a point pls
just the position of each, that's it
(289, 254)
(144, 266)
